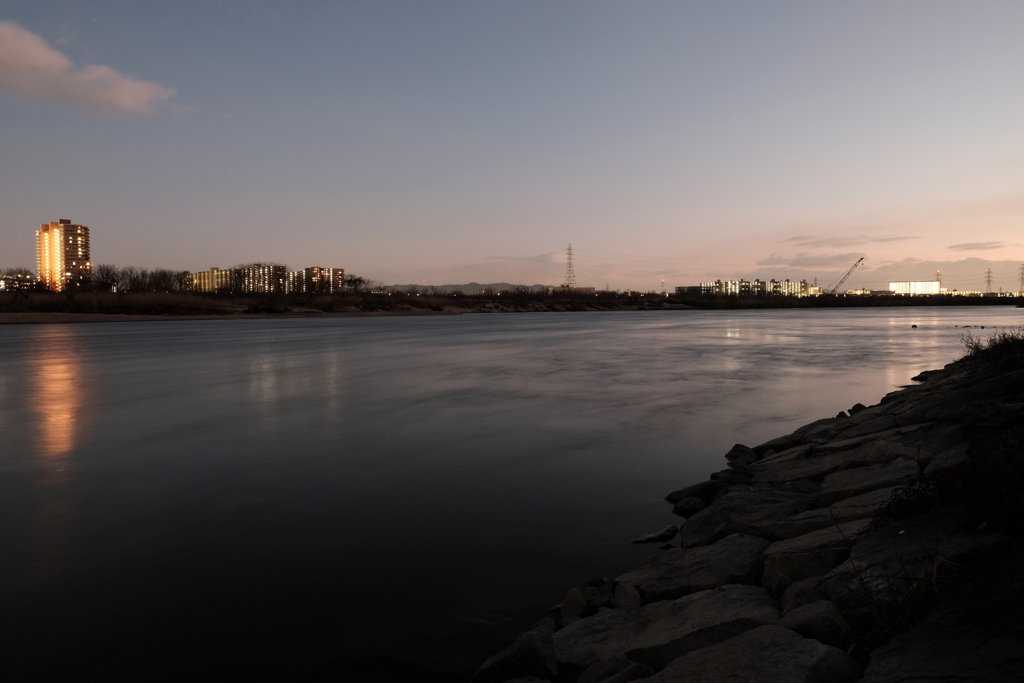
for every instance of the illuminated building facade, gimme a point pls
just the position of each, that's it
(916, 288)
(315, 279)
(18, 283)
(263, 278)
(758, 288)
(63, 258)
(215, 280)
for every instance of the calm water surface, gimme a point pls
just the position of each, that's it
(279, 496)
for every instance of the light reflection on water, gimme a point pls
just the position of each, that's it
(166, 484)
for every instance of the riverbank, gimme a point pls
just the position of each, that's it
(52, 307)
(881, 545)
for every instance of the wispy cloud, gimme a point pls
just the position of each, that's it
(31, 68)
(805, 260)
(848, 241)
(976, 246)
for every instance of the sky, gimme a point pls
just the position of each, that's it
(450, 142)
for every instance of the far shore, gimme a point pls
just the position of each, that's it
(34, 308)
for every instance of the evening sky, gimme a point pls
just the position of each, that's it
(446, 142)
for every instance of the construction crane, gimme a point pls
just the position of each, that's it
(833, 288)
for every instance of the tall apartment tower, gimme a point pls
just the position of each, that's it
(62, 255)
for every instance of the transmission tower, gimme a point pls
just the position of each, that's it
(1021, 290)
(570, 272)
(988, 281)
(938, 276)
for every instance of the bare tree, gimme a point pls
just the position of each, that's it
(133, 279)
(105, 276)
(23, 272)
(163, 280)
(354, 283)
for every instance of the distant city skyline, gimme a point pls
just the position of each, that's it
(460, 142)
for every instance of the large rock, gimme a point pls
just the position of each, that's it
(863, 506)
(884, 566)
(533, 654)
(657, 633)
(977, 636)
(812, 554)
(821, 621)
(852, 482)
(688, 507)
(816, 466)
(769, 654)
(574, 606)
(757, 511)
(740, 455)
(957, 455)
(705, 490)
(616, 670)
(681, 571)
(802, 592)
(666, 534)
(872, 426)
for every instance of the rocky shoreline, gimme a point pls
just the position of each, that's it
(881, 545)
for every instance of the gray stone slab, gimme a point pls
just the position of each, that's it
(863, 506)
(821, 621)
(751, 510)
(812, 554)
(977, 636)
(852, 482)
(884, 562)
(768, 654)
(681, 571)
(617, 670)
(657, 633)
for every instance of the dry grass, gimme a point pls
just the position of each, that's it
(1000, 353)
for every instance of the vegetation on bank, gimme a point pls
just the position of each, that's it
(156, 293)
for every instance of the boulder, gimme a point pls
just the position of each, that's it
(688, 507)
(740, 456)
(732, 476)
(803, 592)
(817, 465)
(707, 491)
(857, 407)
(681, 571)
(848, 483)
(957, 455)
(768, 654)
(532, 654)
(666, 534)
(615, 670)
(574, 606)
(779, 444)
(812, 554)
(977, 636)
(821, 621)
(883, 566)
(756, 511)
(863, 506)
(872, 426)
(625, 596)
(657, 633)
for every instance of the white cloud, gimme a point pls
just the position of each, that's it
(32, 69)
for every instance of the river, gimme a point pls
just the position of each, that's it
(372, 498)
